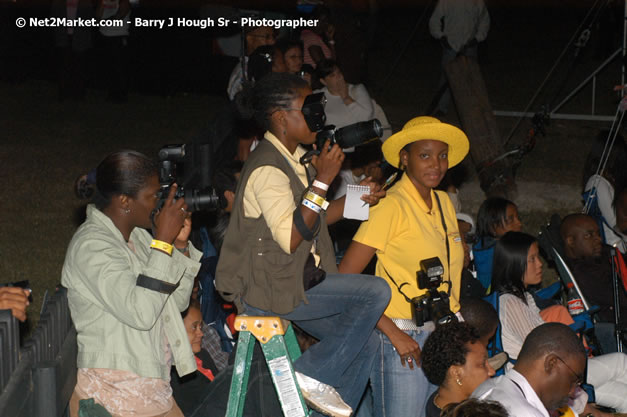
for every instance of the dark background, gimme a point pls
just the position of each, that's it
(178, 84)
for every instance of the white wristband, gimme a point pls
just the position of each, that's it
(321, 185)
(311, 206)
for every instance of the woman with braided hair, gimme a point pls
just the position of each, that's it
(277, 258)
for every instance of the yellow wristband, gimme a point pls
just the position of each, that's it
(162, 246)
(316, 199)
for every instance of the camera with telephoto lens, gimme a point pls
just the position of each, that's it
(190, 166)
(346, 137)
(434, 304)
(351, 135)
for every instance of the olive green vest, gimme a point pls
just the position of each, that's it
(252, 266)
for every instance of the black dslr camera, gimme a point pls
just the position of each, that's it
(434, 305)
(346, 137)
(190, 166)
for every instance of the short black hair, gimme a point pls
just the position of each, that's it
(365, 154)
(510, 263)
(224, 179)
(492, 213)
(325, 67)
(479, 314)
(260, 62)
(569, 221)
(445, 347)
(548, 338)
(285, 45)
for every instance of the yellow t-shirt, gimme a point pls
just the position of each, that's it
(404, 231)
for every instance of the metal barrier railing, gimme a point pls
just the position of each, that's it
(38, 379)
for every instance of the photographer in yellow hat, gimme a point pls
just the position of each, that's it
(412, 224)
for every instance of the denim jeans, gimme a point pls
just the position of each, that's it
(341, 313)
(398, 390)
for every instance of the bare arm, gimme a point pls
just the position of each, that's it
(354, 261)
(356, 258)
(327, 164)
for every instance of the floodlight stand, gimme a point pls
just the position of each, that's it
(622, 51)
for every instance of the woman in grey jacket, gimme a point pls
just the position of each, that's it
(126, 289)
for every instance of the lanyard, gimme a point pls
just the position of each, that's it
(448, 256)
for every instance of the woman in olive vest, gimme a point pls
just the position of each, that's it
(277, 257)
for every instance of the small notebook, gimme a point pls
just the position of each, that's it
(355, 207)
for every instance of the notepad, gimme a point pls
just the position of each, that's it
(355, 207)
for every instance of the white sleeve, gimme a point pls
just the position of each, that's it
(605, 197)
(361, 109)
(483, 24)
(435, 22)
(517, 320)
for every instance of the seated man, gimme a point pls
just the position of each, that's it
(550, 367)
(588, 260)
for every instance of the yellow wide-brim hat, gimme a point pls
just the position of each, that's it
(427, 128)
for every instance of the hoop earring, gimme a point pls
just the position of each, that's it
(458, 382)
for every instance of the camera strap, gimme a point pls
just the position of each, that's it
(299, 222)
(398, 287)
(448, 250)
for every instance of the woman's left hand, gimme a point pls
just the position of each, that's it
(182, 238)
(376, 192)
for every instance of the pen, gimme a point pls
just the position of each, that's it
(389, 181)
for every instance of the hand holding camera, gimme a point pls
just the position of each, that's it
(170, 219)
(328, 163)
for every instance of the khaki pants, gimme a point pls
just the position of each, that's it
(174, 412)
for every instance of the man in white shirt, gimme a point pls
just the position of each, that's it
(549, 370)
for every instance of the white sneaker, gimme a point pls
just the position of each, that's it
(322, 397)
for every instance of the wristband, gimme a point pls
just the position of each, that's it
(312, 206)
(321, 185)
(317, 200)
(162, 246)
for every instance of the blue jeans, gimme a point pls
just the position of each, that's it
(342, 313)
(398, 390)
